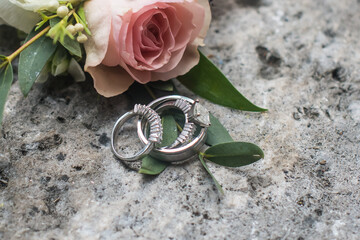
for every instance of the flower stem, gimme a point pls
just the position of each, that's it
(28, 43)
(53, 16)
(217, 184)
(4, 64)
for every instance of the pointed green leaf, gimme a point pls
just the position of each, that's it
(44, 74)
(217, 184)
(152, 166)
(207, 81)
(32, 61)
(81, 14)
(6, 79)
(234, 154)
(72, 46)
(217, 133)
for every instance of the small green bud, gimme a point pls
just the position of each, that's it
(82, 38)
(79, 27)
(62, 11)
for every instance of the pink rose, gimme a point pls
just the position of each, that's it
(143, 40)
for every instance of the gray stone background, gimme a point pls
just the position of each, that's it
(299, 59)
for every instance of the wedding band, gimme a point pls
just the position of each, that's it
(155, 135)
(185, 151)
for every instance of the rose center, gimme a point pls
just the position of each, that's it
(153, 33)
(153, 30)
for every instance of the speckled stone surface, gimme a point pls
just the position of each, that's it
(299, 59)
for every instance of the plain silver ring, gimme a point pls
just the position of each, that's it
(155, 131)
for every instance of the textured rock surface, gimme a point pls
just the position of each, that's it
(299, 59)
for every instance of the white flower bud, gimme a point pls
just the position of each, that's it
(71, 29)
(52, 5)
(62, 11)
(82, 38)
(79, 27)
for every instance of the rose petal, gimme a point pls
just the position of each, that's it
(187, 26)
(99, 21)
(202, 34)
(138, 75)
(197, 18)
(136, 5)
(112, 56)
(110, 81)
(174, 60)
(190, 59)
(175, 23)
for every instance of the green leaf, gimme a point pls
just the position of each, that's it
(82, 18)
(152, 166)
(54, 21)
(72, 46)
(167, 86)
(217, 184)
(170, 132)
(234, 154)
(207, 81)
(32, 61)
(81, 12)
(6, 79)
(217, 133)
(60, 62)
(44, 74)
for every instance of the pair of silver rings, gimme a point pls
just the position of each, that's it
(187, 143)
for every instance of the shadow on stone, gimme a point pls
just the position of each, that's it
(249, 3)
(9, 40)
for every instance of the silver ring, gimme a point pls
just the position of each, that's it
(185, 151)
(155, 135)
(189, 127)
